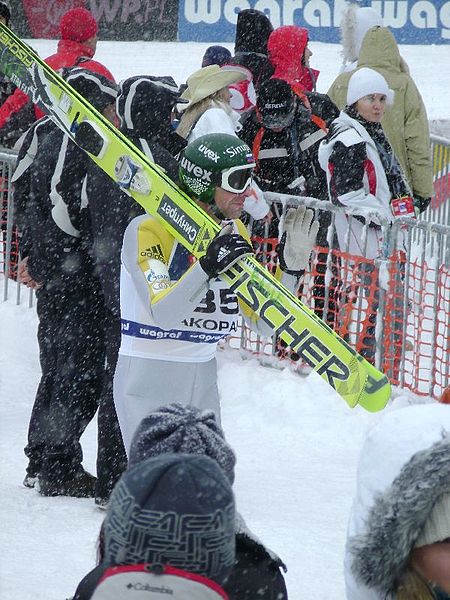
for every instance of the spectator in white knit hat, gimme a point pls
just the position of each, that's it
(398, 545)
(362, 169)
(363, 173)
(406, 121)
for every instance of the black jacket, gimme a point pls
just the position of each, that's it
(277, 173)
(256, 575)
(253, 29)
(16, 125)
(57, 255)
(352, 159)
(23, 175)
(145, 121)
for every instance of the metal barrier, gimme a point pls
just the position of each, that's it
(391, 303)
(439, 209)
(9, 243)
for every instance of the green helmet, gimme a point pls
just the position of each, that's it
(216, 160)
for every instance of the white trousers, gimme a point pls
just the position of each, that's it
(142, 385)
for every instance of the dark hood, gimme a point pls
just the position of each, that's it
(252, 32)
(145, 103)
(97, 89)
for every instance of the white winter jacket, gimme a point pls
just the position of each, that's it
(388, 512)
(371, 196)
(374, 193)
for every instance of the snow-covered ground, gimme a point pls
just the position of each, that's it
(297, 442)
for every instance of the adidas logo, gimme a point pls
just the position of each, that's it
(153, 252)
(223, 253)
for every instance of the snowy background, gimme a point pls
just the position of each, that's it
(297, 442)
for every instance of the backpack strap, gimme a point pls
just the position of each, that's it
(256, 147)
(296, 88)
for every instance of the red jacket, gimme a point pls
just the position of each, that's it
(69, 54)
(286, 46)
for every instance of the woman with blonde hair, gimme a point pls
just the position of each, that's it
(209, 111)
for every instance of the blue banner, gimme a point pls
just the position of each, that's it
(411, 21)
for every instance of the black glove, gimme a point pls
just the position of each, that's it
(225, 249)
(421, 204)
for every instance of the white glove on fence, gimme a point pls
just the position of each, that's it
(298, 239)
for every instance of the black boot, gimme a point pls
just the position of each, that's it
(61, 477)
(34, 454)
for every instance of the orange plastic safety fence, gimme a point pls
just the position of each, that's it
(390, 315)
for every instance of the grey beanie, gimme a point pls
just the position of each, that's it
(182, 429)
(176, 510)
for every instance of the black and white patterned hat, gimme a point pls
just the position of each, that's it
(176, 510)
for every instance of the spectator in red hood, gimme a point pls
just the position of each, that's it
(289, 54)
(76, 47)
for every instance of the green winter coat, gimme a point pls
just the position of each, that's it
(405, 123)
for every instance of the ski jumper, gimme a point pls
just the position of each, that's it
(172, 321)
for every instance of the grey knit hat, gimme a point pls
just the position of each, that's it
(182, 429)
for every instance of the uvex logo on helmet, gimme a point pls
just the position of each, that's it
(196, 170)
(208, 153)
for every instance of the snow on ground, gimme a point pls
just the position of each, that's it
(296, 443)
(296, 440)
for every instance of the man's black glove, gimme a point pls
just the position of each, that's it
(225, 249)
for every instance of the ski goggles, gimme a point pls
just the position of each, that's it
(237, 179)
(277, 120)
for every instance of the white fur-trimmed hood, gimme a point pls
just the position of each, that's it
(404, 467)
(355, 23)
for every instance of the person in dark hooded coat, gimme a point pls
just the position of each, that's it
(68, 303)
(144, 107)
(253, 29)
(284, 132)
